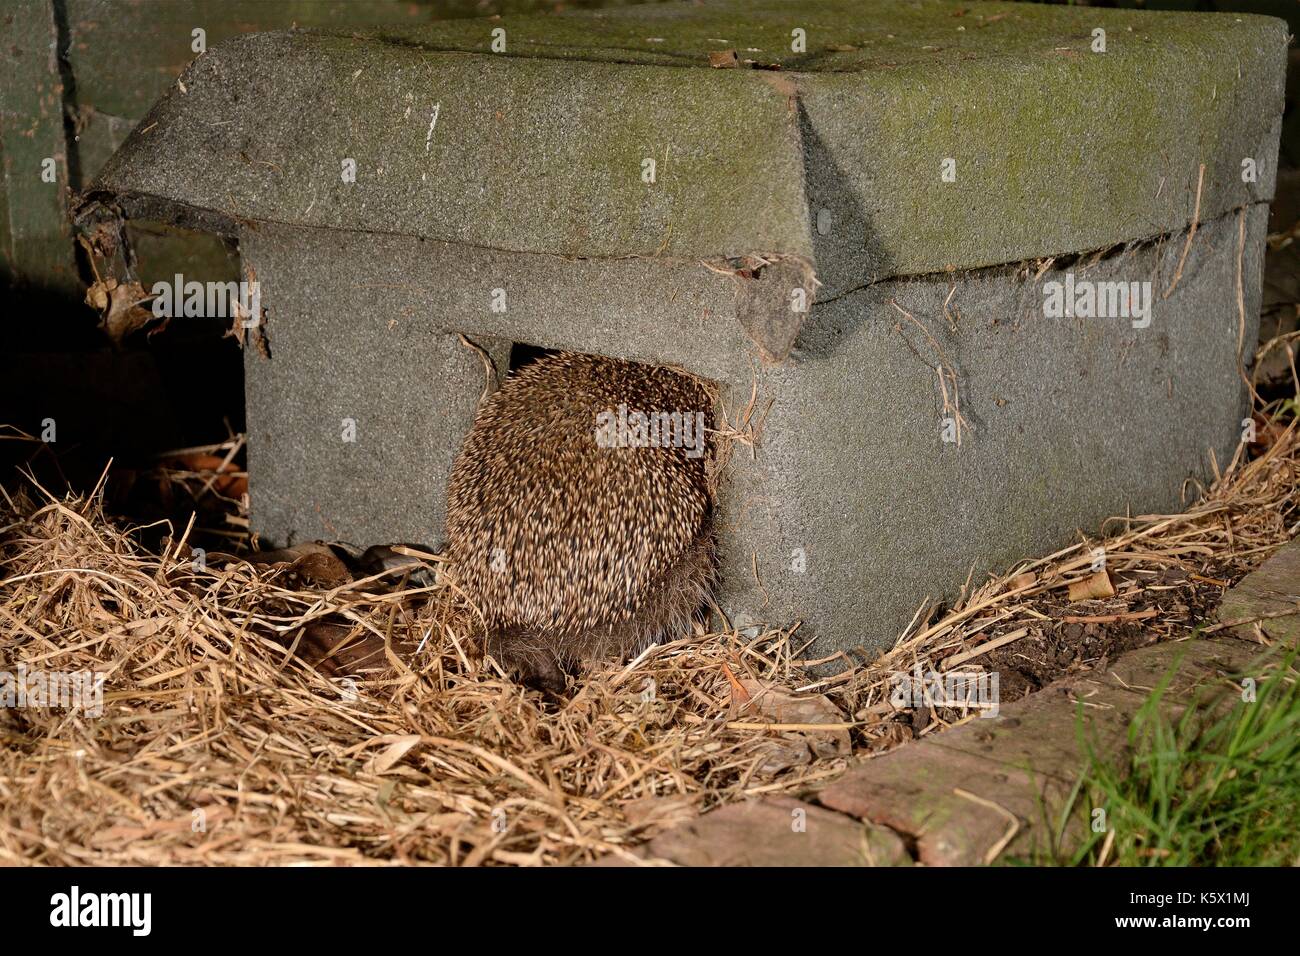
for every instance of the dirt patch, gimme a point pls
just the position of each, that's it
(1058, 648)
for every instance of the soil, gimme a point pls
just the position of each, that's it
(1056, 648)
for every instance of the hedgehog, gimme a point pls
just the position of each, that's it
(579, 514)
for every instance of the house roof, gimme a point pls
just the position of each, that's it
(833, 155)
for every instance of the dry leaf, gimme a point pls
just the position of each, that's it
(780, 753)
(1022, 581)
(229, 486)
(337, 649)
(313, 562)
(395, 751)
(739, 695)
(1267, 432)
(97, 294)
(767, 704)
(119, 306)
(1097, 585)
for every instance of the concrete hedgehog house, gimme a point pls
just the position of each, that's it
(983, 274)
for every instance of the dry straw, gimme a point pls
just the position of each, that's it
(217, 745)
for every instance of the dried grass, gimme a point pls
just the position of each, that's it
(436, 758)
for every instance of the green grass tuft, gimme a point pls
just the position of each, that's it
(1220, 786)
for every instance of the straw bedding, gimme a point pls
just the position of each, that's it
(220, 744)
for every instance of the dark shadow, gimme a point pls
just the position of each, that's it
(60, 379)
(843, 238)
(521, 354)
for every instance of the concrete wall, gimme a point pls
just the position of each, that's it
(853, 508)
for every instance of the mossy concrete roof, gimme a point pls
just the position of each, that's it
(834, 154)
